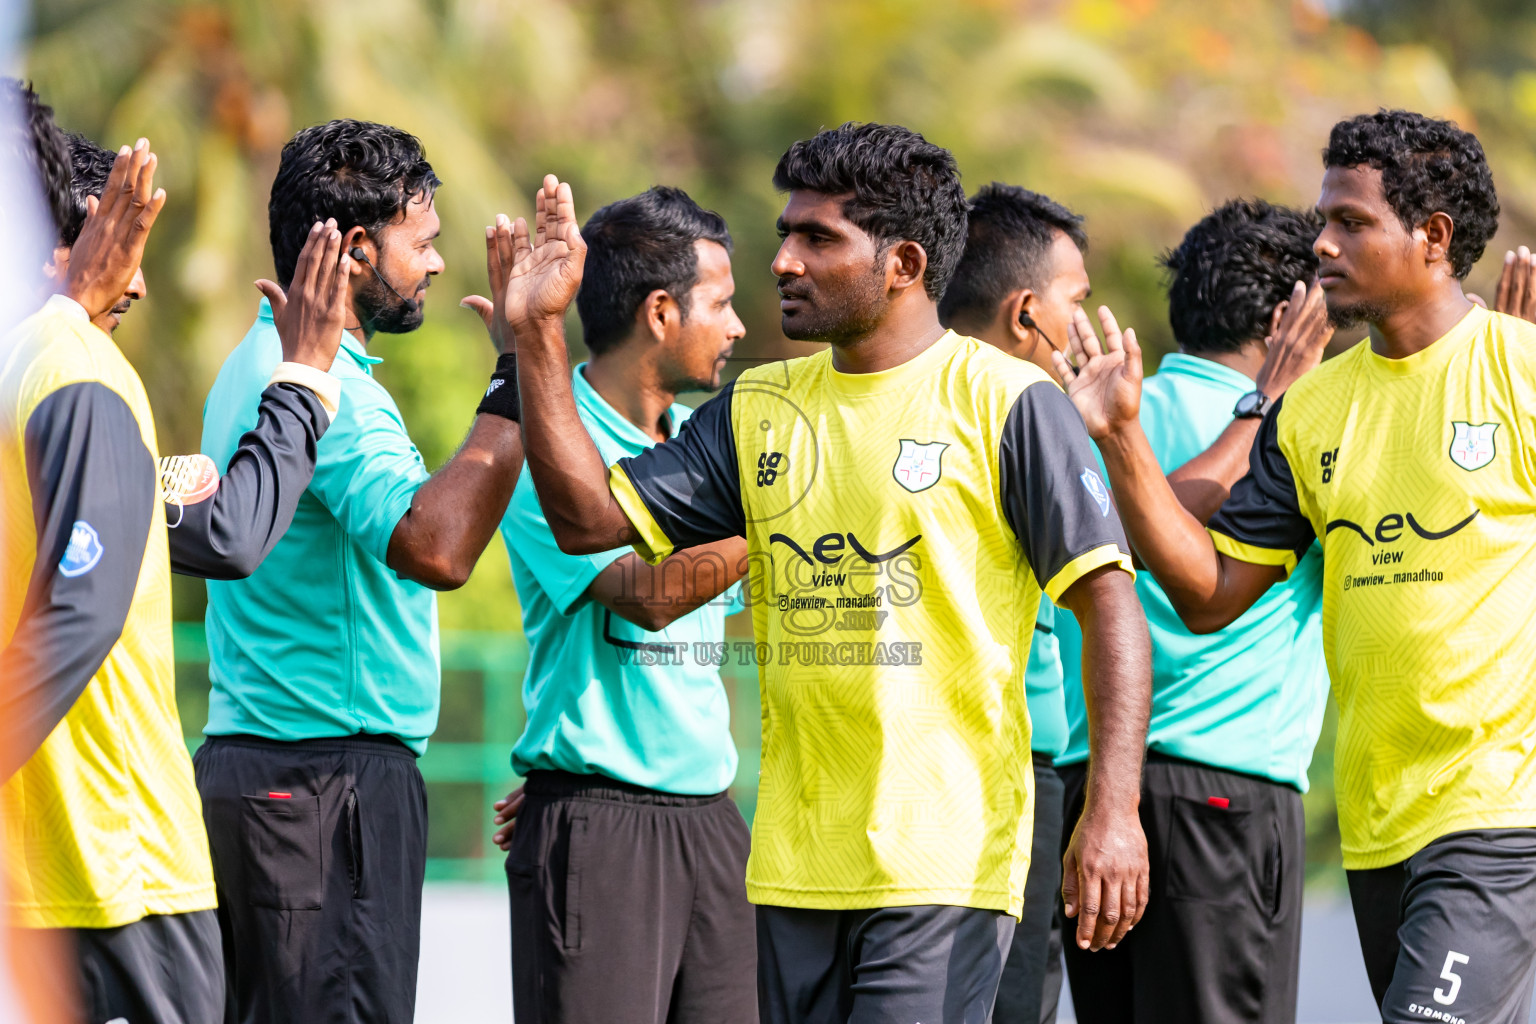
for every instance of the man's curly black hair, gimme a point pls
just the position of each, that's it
(40, 145)
(361, 173)
(91, 165)
(1009, 234)
(900, 187)
(1232, 269)
(1427, 166)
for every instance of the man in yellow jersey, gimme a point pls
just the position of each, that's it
(1410, 458)
(906, 497)
(102, 830)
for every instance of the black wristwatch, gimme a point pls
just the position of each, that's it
(1252, 406)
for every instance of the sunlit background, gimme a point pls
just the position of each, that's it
(1141, 114)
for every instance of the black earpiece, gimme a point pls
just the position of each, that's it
(1027, 321)
(358, 254)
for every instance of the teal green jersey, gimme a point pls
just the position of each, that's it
(602, 694)
(1042, 686)
(1250, 697)
(324, 639)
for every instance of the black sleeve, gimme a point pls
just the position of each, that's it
(226, 536)
(688, 487)
(1263, 514)
(92, 483)
(1053, 494)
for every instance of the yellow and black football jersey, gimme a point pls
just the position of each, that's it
(902, 526)
(1418, 476)
(102, 822)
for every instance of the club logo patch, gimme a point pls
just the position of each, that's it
(84, 550)
(917, 465)
(1473, 446)
(1094, 485)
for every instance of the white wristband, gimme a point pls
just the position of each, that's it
(325, 387)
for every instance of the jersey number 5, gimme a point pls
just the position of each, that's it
(1452, 958)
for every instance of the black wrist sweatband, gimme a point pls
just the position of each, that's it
(501, 397)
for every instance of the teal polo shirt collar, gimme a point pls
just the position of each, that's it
(596, 406)
(349, 344)
(1185, 365)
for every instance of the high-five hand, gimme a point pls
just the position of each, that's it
(499, 258)
(312, 313)
(111, 244)
(1517, 285)
(1301, 332)
(546, 268)
(1103, 381)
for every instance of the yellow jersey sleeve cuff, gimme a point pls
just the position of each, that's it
(1250, 553)
(654, 544)
(325, 387)
(1083, 564)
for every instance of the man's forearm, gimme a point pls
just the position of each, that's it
(1170, 542)
(455, 513)
(654, 596)
(1117, 685)
(1204, 482)
(568, 472)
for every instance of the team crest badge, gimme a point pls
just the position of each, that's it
(1094, 485)
(918, 466)
(1473, 447)
(83, 552)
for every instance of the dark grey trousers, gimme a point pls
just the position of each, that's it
(1450, 933)
(895, 965)
(629, 905)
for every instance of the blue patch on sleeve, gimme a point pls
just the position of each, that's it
(1094, 485)
(84, 550)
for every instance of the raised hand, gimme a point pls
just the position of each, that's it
(1517, 285)
(1103, 381)
(499, 258)
(546, 267)
(312, 313)
(111, 244)
(1299, 334)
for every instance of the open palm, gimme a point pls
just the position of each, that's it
(546, 268)
(1105, 383)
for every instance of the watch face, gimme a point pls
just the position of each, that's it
(1250, 403)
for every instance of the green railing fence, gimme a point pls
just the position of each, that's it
(467, 765)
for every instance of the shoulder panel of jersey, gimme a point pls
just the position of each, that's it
(56, 347)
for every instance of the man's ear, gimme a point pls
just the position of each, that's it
(357, 236)
(1436, 233)
(660, 316)
(1015, 308)
(905, 263)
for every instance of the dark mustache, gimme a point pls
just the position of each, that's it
(787, 290)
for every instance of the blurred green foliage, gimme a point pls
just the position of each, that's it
(1140, 114)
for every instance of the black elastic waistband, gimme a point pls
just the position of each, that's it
(565, 785)
(358, 743)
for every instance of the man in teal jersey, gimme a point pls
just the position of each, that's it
(627, 749)
(1235, 714)
(324, 663)
(1017, 285)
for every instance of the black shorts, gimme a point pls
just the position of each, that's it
(1450, 933)
(1031, 982)
(319, 853)
(1221, 938)
(166, 968)
(889, 966)
(629, 905)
